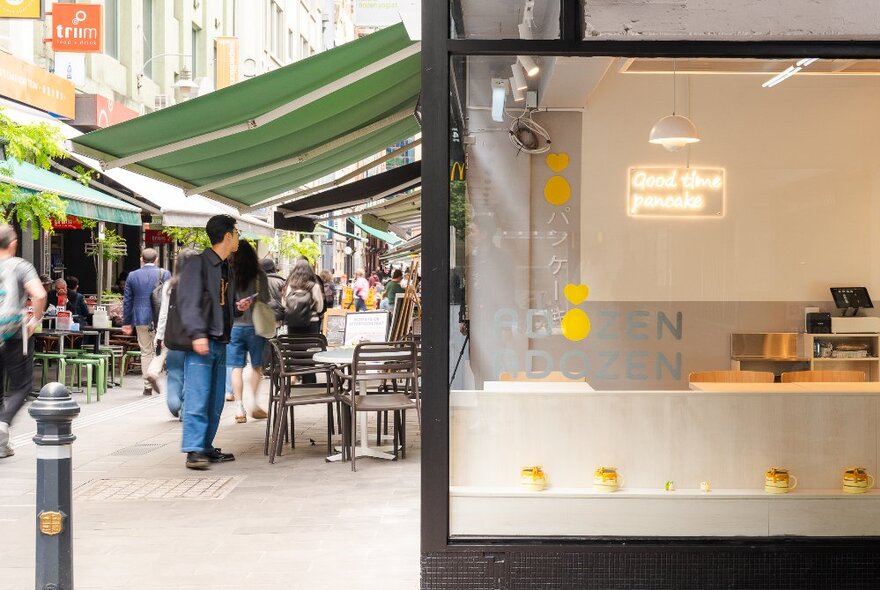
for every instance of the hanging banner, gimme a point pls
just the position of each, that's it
(226, 73)
(77, 28)
(25, 82)
(32, 9)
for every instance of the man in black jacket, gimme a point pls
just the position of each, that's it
(207, 306)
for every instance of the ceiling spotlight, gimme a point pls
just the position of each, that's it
(499, 92)
(518, 94)
(673, 131)
(519, 77)
(530, 65)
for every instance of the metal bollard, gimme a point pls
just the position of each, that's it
(54, 412)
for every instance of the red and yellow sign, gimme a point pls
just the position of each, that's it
(227, 62)
(36, 87)
(77, 28)
(21, 8)
(72, 222)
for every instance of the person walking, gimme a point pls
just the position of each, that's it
(137, 309)
(329, 289)
(207, 308)
(18, 282)
(171, 359)
(303, 300)
(361, 290)
(392, 289)
(276, 284)
(244, 342)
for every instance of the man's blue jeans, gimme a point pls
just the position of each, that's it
(203, 384)
(174, 364)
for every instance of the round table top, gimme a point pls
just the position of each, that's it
(337, 356)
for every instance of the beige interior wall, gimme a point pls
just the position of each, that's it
(801, 163)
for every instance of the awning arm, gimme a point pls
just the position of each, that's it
(341, 233)
(291, 196)
(303, 157)
(272, 115)
(103, 187)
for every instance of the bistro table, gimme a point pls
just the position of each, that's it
(342, 357)
(106, 332)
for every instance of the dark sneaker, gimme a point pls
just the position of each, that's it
(6, 451)
(148, 391)
(198, 461)
(217, 457)
(154, 383)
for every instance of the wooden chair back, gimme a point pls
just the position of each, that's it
(731, 377)
(554, 376)
(823, 376)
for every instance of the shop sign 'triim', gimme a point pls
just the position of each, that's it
(676, 192)
(77, 28)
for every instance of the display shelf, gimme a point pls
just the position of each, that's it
(846, 360)
(870, 364)
(645, 493)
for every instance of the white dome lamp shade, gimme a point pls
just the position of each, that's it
(674, 132)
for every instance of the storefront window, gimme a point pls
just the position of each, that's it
(502, 19)
(595, 271)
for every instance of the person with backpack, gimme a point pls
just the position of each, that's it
(329, 289)
(303, 300)
(140, 308)
(276, 284)
(18, 281)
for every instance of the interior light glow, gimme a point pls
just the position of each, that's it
(519, 77)
(789, 71)
(530, 65)
(518, 95)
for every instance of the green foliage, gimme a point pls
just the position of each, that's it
(88, 223)
(291, 246)
(113, 245)
(188, 236)
(110, 297)
(458, 212)
(36, 144)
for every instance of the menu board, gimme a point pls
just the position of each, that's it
(366, 326)
(334, 326)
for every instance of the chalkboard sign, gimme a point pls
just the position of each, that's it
(366, 326)
(334, 326)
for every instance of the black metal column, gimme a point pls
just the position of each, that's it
(54, 412)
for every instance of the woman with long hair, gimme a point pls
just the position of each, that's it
(173, 359)
(303, 300)
(244, 341)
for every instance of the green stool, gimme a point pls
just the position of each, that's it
(89, 364)
(103, 369)
(45, 359)
(132, 356)
(113, 355)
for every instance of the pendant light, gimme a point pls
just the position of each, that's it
(673, 131)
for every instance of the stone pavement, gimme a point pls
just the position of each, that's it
(143, 521)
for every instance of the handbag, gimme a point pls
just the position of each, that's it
(263, 316)
(176, 337)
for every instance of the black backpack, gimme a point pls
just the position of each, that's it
(298, 307)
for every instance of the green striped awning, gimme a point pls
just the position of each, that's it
(82, 201)
(390, 238)
(261, 138)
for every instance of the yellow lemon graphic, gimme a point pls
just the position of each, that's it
(575, 325)
(557, 191)
(576, 294)
(557, 162)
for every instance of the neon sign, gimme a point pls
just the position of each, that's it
(676, 192)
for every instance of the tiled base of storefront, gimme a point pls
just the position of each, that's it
(799, 565)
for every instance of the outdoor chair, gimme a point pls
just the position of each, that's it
(291, 359)
(379, 362)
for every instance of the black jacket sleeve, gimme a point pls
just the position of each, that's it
(190, 299)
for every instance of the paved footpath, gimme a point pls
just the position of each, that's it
(143, 521)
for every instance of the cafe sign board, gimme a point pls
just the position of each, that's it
(77, 28)
(676, 192)
(24, 82)
(32, 9)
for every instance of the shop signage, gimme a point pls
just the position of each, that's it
(77, 28)
(226, 73)
(382, 13)
(676, 192)
(156, 237)
(25, 82)
(70, 223)
(21, 9)
(94, 111)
